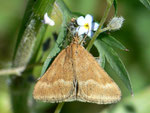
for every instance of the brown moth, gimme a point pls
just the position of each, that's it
(75, 75)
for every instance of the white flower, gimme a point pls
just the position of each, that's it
(86, 25)
(96, 25)
(48, 20)
(115, 23)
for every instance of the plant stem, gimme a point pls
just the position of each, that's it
(18, 70)
(19, 92)
(20, 85)
(59, 107)
(109, 4)
(11, 71)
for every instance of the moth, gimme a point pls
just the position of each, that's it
(75, 75)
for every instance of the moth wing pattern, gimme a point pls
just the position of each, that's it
(94, 84)
(56, 85)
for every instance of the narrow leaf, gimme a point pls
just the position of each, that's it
(146, 3)
(26, 17)
(116, 7)
(28, 35)
(115, 62)
(38, 43)
(54, 51)
(111, 41)
(101, 58)
(66, 13)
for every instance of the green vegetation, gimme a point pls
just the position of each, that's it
(22, 35)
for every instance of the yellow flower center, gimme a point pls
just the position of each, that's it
(86, 26)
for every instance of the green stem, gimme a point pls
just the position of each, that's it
(105, 29)
(24, 50)
(109, 4)
(19, 92)
(20, 85)
(59, 107)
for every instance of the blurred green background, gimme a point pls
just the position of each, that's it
(135, 35)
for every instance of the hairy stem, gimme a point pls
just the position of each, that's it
(109, 4)
(20, 85)
(12, 71)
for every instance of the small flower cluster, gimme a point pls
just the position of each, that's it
(86, 25)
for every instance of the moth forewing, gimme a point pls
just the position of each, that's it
(75, 75)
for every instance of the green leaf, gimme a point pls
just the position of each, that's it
(61, 37)
(115, 62)
(28, 36)
(146, 3)
(101, 58)
(116, 7)
(110, 2)
(26, 17)
(111, 41)
(55, 50)
(38, 44)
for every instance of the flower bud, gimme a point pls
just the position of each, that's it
(115, 23)
(48, 20)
